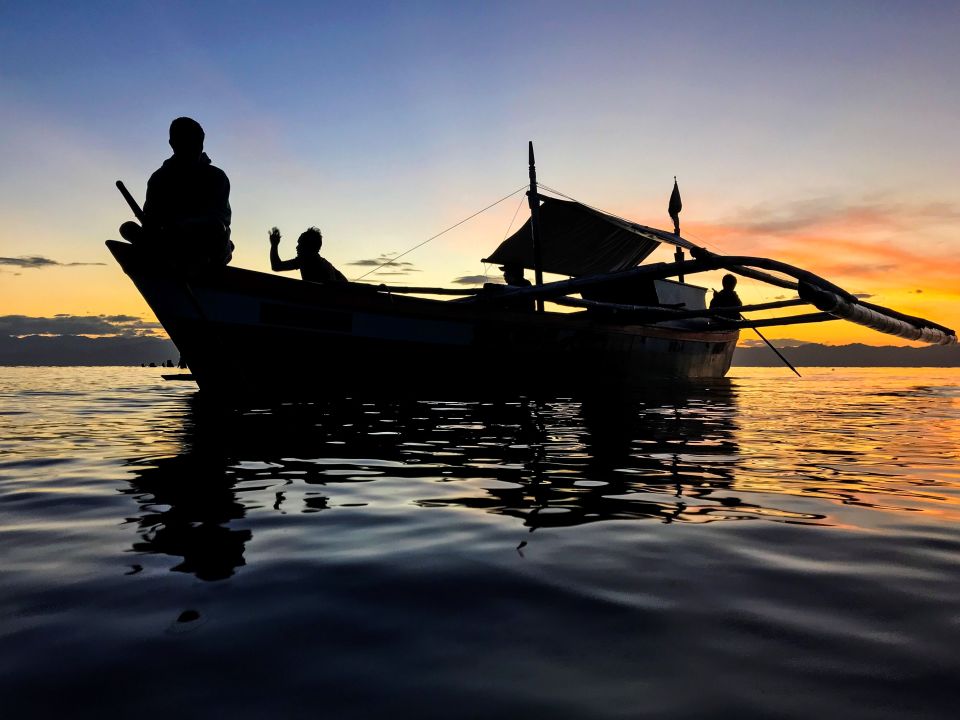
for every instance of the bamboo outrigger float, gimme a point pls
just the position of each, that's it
(254, 334)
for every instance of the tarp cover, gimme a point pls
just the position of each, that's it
(577, 240)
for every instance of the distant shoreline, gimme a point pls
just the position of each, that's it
(82, 351)
(855, 355)
(124, 351)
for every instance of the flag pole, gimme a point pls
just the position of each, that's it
(676, 205)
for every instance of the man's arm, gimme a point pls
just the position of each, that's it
(276, 264)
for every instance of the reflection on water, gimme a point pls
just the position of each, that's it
(186, 506)
(556, 463)
(758, 548)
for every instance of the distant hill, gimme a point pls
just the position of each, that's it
(80, 350)
(134, 350)
(856, 355)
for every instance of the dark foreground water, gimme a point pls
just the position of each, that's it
(769, 547)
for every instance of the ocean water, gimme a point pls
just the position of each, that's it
(767, 547)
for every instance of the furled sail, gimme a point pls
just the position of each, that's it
(578, 240)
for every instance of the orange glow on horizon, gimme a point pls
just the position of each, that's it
(863, 250)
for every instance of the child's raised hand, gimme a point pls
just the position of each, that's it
(274, 236)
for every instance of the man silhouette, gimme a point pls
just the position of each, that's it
(187, 210)
(312, 266)
(727, 298)
(513, 276)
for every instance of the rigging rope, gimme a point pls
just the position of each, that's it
(434, 237)
(486, 266)
(510, 226)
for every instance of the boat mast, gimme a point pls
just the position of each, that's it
(534, 199)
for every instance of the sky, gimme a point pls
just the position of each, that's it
(823, 134)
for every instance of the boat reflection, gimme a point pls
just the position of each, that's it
(634, 458)
(548, 463)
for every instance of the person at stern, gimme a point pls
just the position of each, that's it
(727, 298)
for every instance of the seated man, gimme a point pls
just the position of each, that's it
(513, 277)
(312, 267)
(187, 210)
(727, 298)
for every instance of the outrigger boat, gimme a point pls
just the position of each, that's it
(250, 333)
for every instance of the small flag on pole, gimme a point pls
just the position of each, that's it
(676, 205)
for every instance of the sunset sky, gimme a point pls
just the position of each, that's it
(824, 134)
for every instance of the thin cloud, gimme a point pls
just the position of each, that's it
(861, 295)
(867, 244)
(36, 262)
(376, 263)
(876, 212)
(472, 280)
(385, 259)
(780, 342)
(62, 324)
(866, 259)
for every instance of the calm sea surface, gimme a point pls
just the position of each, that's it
(767, 547)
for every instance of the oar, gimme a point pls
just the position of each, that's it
(137, 212)
(770, 345)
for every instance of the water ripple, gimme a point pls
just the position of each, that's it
(764, 547)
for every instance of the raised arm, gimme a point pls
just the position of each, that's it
(276, 264)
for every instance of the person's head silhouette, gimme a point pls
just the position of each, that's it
(729, 282)
(310, 242)
(512, 273)
(186, 138)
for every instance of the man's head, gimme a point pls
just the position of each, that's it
(310, 242)
(512, 273)
(186, 138)
(729, 282)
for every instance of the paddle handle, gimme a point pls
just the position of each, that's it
(137, 212)
(779, 354)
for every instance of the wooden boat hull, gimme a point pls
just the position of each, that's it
(253, 334)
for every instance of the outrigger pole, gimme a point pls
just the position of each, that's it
(533, 198)
(834, 302)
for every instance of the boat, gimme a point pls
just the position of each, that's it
(616, 323)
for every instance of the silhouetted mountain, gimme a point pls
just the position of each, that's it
(133, 350)
(856, 355)
(80, 350)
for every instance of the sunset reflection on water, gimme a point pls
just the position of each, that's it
(776, 532)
